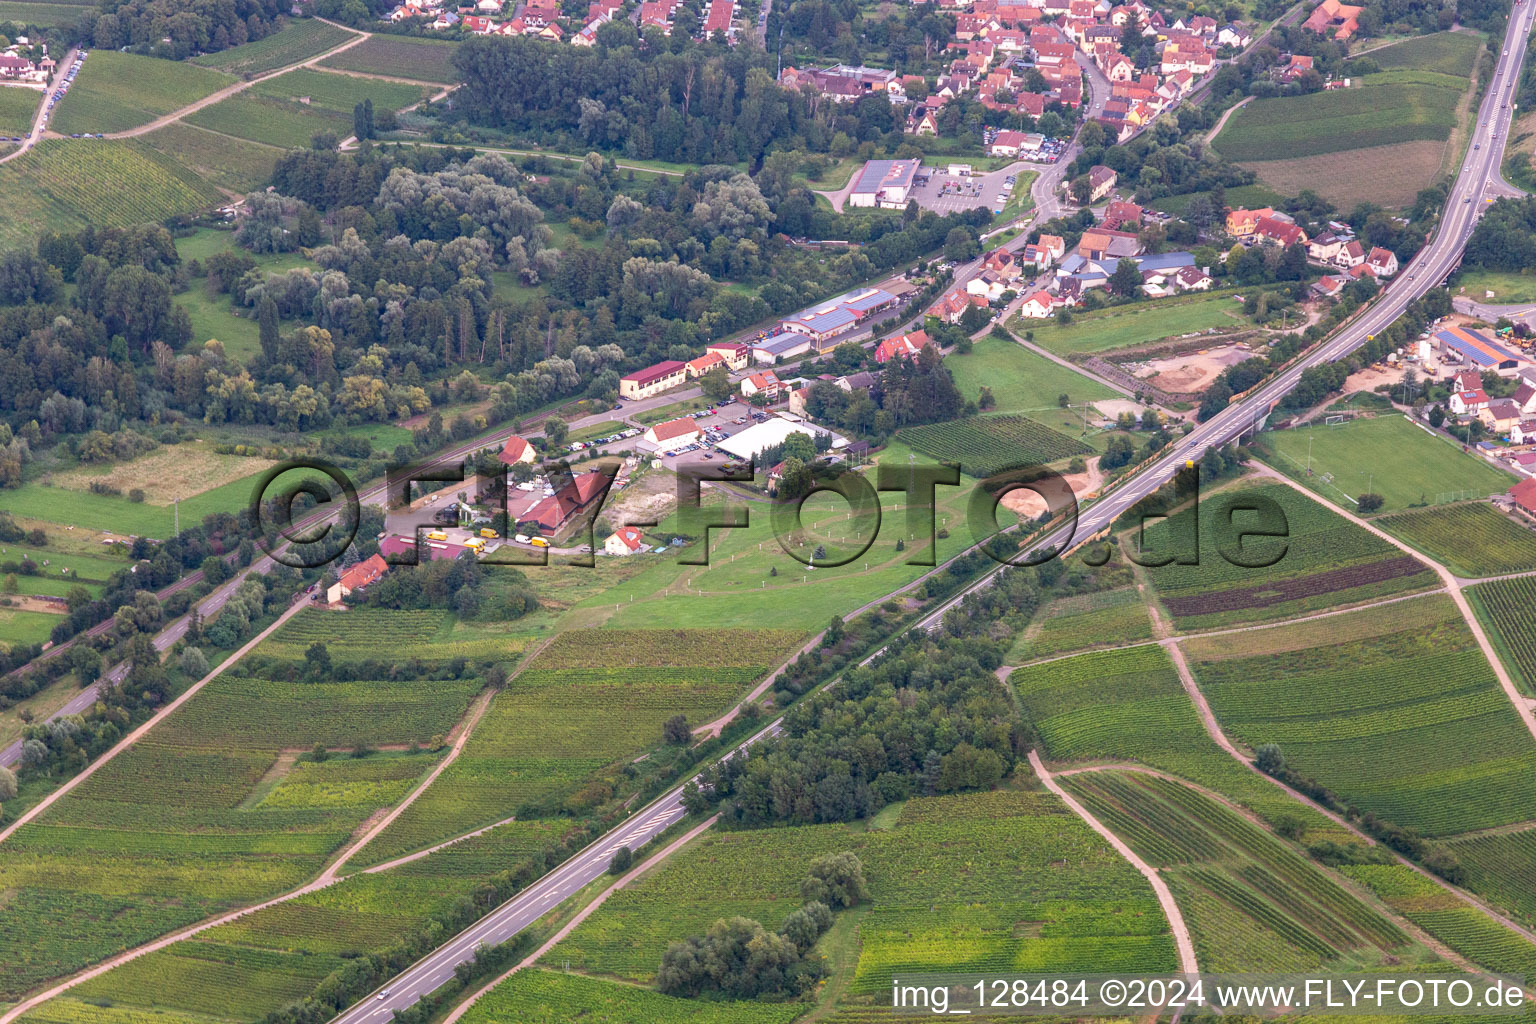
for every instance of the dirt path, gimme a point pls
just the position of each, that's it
(582, 915)
(1171, 911)
(1523, 705)
(230, 90)
(1221, 122)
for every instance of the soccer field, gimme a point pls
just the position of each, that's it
(1389, 455)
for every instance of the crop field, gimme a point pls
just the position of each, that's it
(167, 474)
(62, 185)
(1135, 323)
(1082, 621)
(263, 961)
(361, 633)
(165, 835)
(1449, 53)
(548, 997)
(426, 60)
(1501, 867)
(1396, 106)
(1265, 887)
(1326, 562)
(984, 445)
(117, 91)
(588, 702)
(287, 110)
(268, 121)
(17, 107)
(1023, 381)
(1128, 705)
(337, 94)
(949, 881)
(42, 14)
(1403, 718)
(1469, 539)
(1387, 455)
(1389, 175)
(1461, 927)
(1504, 608)
(299, 40)
(229, 163)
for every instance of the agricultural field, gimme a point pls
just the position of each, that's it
(550, 997)
(984, 445)
(1501, 867)
(18, 107)
(1025, 382)
(261, 962)
(1385, 454)
(64, 184)
(1253, 903)
(1135, 323)
(950, 879)
(1504, 608)
(1391, 176)
(117, 91)
(168, 473)
(299, 40)
(584, 705)
(428, 635)
(165, 835)
(43, 13)
(425, 60)
(1449, 53)
(1392, 107)
(1506, 287)
(1461, 927)
(1469, 539)
(1128, 705)
(1098, 618)
(228, 163)
(1393, 708)
(275, 110)
(1324, 561)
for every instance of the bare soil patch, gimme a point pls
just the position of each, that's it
(1386, 175)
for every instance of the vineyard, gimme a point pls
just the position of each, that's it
(17, 108)
(1470, 540)
(62, 185)
(950, 882)
(548, 997)
(1501, 867)
(1504, 607)
(1461, 927)
(272, 122)
(1324, 561)
(1272, 896)
(1128, 705)
(426, 60)
(379, 633)
(226, 162)
(1405, 721)
(984, 445)
(336, 94)
(117, 91)
(1083, 621)
(558, 726)
(298, 41)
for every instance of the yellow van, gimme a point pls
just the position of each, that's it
(475, 544)
(437, 535)
(539, 542)
(488, 533)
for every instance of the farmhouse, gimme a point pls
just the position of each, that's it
(1333, 18)
(1523, 494)
(673, 433)
(905, 346)
(356, 578)
(626, 540)
(515, 451)
(1037, 306)
(549, 514)
(653, 380)
(884, 183)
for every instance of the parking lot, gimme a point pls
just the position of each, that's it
(718, 425)
(938, 190)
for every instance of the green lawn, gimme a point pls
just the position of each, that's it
(1449, 53)
(26, 627)
(1395, 106)
(1021, 380)
(1387, 454)
(213, 318)
(1135, 323)
(17, 108)
(116, 91)
(299, 40)
(1507, 288)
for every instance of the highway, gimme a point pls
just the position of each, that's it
(1479, 175)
